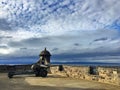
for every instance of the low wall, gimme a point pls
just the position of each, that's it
(110, 75)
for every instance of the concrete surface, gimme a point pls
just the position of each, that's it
(52, 82)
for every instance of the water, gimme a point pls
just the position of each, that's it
(30, 61)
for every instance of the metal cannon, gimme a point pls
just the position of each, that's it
(38, 70)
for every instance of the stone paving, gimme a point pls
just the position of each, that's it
(52, 82)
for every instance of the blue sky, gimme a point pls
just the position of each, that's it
(72, 30)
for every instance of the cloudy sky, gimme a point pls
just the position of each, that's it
(72, 30)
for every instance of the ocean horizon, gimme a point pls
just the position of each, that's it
(25, 62)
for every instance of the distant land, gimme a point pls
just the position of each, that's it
(23, 62)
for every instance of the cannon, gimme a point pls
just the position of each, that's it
(38, 70)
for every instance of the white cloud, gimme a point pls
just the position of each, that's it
(5, 51)
(63, 15)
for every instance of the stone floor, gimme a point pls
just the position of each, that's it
(52, 82)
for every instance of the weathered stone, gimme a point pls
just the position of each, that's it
(105, 75)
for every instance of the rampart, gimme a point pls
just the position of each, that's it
(104, 74)
(110, 75)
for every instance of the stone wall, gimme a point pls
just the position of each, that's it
(110, 75)
(71, 71)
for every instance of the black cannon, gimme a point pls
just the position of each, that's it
(38, 70)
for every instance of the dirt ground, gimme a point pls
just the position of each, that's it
(52, 82)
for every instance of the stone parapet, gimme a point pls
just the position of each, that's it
(110, 75)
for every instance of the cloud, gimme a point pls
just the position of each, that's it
(55, 49)
(76, 44)
(30, 42)
(5, 50)
(23, 48)
(101, 39)
(67, 43)
(107, 57)
(82, 29)
(4, 25)
(5, 37)
(5, 47)
(59, 16)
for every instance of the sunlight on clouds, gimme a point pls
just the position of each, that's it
(21, 34)
(5, 51)
(3, 14)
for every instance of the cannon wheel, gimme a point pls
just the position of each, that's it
(43, 73)
(37, 73)
(10, 74)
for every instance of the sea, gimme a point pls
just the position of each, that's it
(31, 61)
